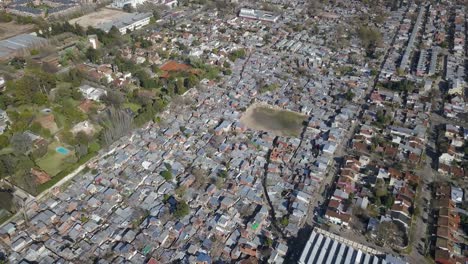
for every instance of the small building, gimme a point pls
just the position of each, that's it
(91, 93)
(457, 194)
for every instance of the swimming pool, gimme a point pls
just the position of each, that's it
(62, 150)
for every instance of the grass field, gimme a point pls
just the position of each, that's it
(54, 162)
(278, 122)
(132, 106)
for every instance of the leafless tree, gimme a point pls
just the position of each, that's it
(387, 233)
(116, 123)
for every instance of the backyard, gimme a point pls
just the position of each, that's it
(56, 159)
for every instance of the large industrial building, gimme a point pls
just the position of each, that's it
(127, 22)
(258, 15)
(325, 247)
(134, 3)
(42, 8)
(20, 45)
(121, 3)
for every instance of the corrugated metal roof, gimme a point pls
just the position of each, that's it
(14, 44)
(124, 20)
(324, 247)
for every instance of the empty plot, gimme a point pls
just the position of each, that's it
(11, 29)
(102, 16)
(278, 122)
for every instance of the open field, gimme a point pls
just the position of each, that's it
(102, 16)
(54, 162)
(278, 122)
(11, 29)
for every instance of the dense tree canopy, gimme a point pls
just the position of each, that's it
(370, 37)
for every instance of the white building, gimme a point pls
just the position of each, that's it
(128, 22)
(121, 3)
(457, 194)
(92, 93)
(168, 3)
(258, 15)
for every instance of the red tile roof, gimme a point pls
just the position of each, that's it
(174, 66)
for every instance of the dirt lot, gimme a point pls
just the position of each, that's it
(102, 16)
(11, 29)
(279, 122)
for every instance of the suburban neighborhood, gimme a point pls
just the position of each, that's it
(234, 131)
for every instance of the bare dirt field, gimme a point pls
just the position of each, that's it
(102, 16)
(11, 29)
(279, 122)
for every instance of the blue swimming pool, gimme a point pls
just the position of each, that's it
(62, 150)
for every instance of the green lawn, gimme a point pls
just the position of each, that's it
(132, 106)
(54, 162)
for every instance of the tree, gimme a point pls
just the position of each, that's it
(211, 73)
(223, 174)
(94, 147)
(6, 202)
(39, 99)
(68, 137)
(128, 8)
(227, 72)
(313, 7)
(21, 143)
(82, 138)
(23, 176)
(167, 175)
(40, 151)
(180, 191)
(18, 63)
(200, 177)
(370, 37)
(349, 95)
(81, 150)
(182, 209)
(389, 200)
(268, 242)
(76, 95)
(116, 123)
(93, 55)
(113, 98)
(7, 165)
(145, 79)
(380, 188)
(5, 17)
(4, 141)
(114, 33)
(191, 81)
(236, 54)
(387, 233)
